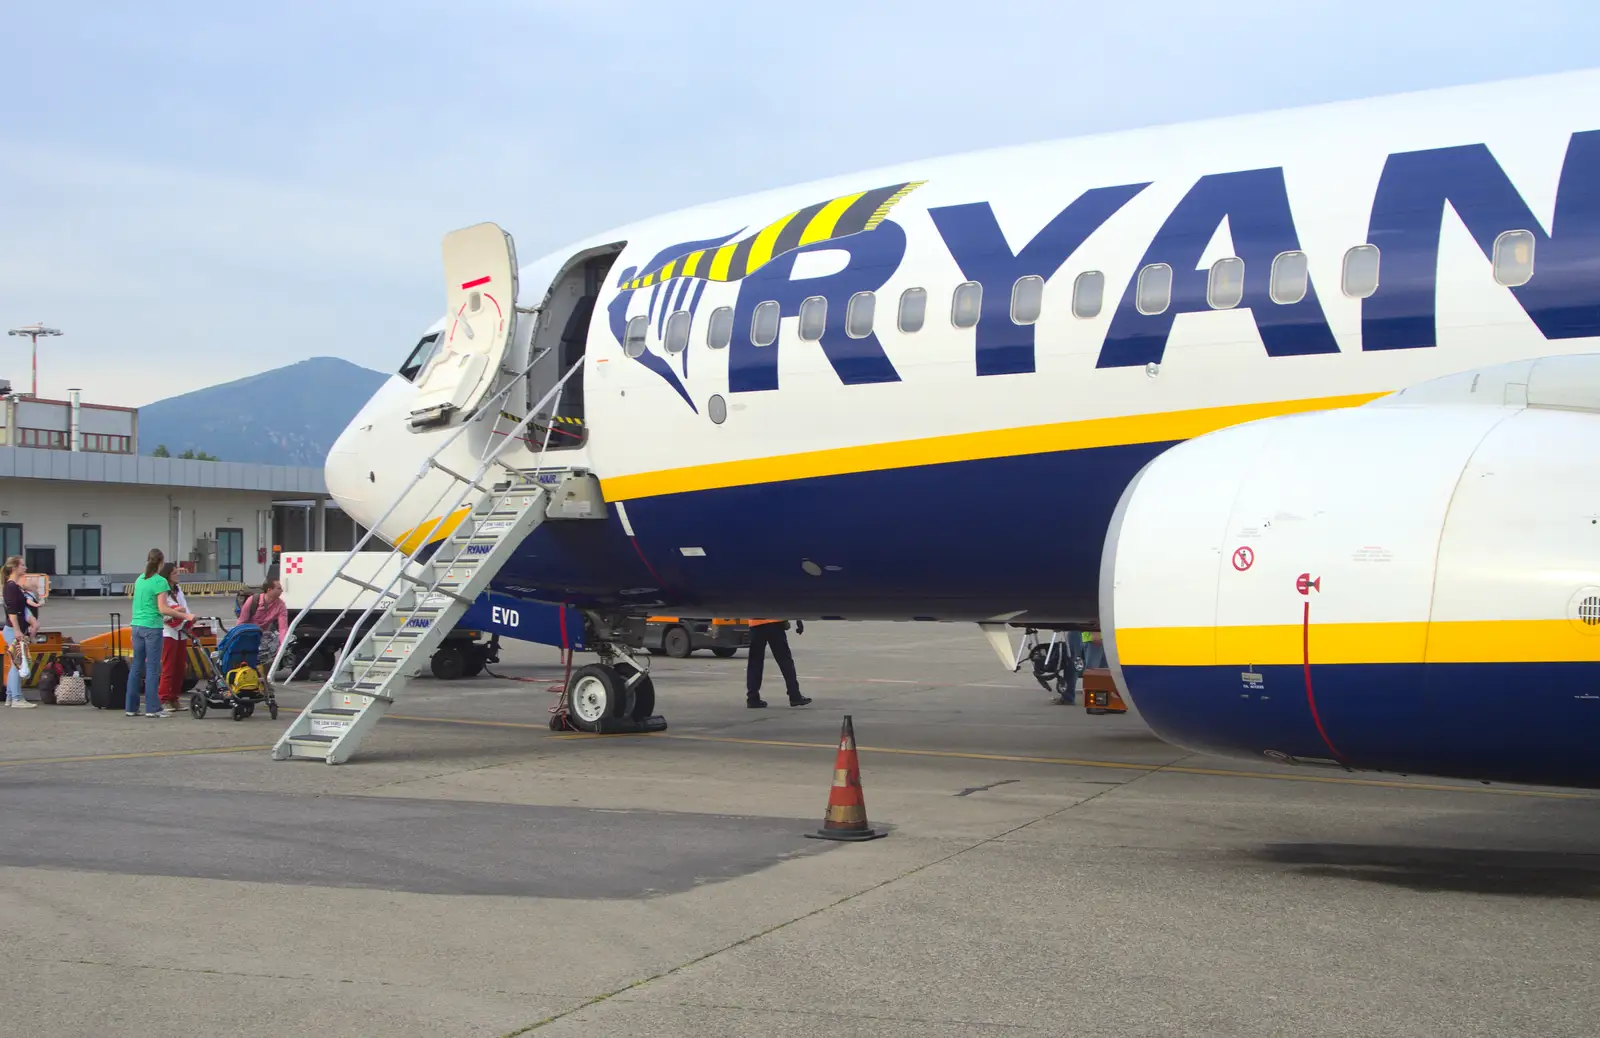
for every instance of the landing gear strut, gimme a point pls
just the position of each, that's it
(614, 696)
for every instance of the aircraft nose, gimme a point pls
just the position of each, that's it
(350, 476)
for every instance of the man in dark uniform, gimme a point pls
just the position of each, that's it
(762, 634)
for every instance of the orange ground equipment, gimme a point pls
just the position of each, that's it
(1100, 693)
(846, 817)
(119, 642)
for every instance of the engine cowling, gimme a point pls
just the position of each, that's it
(1409, 586)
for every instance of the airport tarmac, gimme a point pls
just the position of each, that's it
(472, 873)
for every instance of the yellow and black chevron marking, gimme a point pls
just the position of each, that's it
(825, 221)
(552, 418)
(199, 662)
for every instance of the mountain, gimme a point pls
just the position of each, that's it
(287, 416)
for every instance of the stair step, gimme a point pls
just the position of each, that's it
(427, 600)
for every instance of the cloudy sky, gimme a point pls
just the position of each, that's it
(198, 191)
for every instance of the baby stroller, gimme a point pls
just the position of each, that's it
(236, 682)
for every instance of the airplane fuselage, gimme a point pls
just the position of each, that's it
(919, 393)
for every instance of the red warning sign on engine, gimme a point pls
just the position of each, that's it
(1243, 558)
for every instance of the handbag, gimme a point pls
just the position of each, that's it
(71, 690)
(19, 656)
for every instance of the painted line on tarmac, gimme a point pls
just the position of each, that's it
(1148, 769)
(131, 756)
(1062, 762)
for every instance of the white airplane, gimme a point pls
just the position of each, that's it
(1302, 409)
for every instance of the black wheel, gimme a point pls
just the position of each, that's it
(197, 705)
(249, 709)
(644, 694)
(677, 643)
(595, 694)
(658, 652)
(238, 711)
(477, 657)
(272, 710)
(723, 652)
(448, 663)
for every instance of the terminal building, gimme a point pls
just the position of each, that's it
(80, 504)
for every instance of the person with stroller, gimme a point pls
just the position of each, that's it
(152, 604)
(266, 609)
(19, 625)
(175, 635)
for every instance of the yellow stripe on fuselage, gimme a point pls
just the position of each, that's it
(431, 530)
(761, 248)
(1445, 641)
(721, 260)
(939, 450)
(821, 226)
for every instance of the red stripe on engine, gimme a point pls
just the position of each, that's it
(1311, 700)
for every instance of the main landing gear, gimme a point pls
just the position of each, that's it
(614, 696)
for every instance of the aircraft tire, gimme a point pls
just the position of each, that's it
(643, 699)
(596, 693)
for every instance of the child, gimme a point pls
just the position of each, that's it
(174, 645)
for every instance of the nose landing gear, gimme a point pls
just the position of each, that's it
(614, 696)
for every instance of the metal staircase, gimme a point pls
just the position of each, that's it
(429, 593)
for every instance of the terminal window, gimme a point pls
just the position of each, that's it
(83, 550)
(10, 539)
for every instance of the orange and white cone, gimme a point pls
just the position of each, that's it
(846, 818)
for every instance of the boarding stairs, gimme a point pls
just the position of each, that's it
(431, 590)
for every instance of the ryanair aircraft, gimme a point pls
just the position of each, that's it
(1301, 409)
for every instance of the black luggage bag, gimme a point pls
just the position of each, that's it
(108, 681)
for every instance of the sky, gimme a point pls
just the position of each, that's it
(194, 192)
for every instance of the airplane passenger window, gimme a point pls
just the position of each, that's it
(719, 331)
(1225, 286)
(633, 336)
(1361, 271)
(1289, 278)
(966, 304)
(913, 309)
(1513, 258)
(858, 315)
(1155, 289)
(1027, 299)
(813, 318)
(764, 324)
(420, 355)
(1088, 294)
(677, 337)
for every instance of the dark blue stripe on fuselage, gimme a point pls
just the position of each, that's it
(958, 541)
(1536, 723)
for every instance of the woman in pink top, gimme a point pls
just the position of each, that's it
(267, 611)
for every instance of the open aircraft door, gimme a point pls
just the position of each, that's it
(480, 269)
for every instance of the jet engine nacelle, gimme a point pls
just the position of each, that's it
(1409, 586)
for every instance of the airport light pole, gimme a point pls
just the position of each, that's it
(33, 331)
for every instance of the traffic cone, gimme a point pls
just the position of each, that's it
(846, 818)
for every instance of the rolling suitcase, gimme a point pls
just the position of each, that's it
(108, 681)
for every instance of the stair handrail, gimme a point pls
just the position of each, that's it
(494, 497)
(491, 403)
